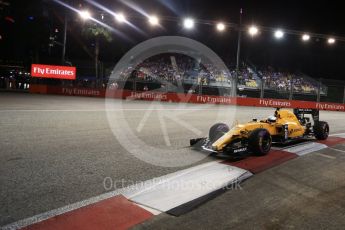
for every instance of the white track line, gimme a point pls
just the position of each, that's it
(327, 156)
(338, 134)
(338, 150)
(153, 211)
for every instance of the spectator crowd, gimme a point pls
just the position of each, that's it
(282, 81)
(175, 68)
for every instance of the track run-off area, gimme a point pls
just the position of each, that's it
(65, 163)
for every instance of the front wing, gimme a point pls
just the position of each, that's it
(206, 145)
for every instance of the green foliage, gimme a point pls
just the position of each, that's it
(94, 30)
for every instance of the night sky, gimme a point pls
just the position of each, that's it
(25, 38)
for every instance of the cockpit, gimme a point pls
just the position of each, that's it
(272, 119)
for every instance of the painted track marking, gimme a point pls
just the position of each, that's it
(326, 156)
(338, 150)
(128, 192)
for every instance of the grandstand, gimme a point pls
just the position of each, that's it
(181, 70)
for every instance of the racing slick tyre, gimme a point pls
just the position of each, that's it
(217, 130)
(260, 142)
(321, 130)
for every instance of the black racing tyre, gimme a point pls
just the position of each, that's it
(217, 130)
(260, 142)
(321, 130)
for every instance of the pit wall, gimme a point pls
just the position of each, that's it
(185, 98)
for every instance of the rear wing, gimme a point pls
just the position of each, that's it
(301, 112)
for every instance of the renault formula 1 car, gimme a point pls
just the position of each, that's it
(257, 137)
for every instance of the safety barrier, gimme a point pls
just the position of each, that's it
(185, 98)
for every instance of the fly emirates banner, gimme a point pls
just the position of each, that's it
(53, 71)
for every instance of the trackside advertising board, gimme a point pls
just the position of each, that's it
(53, 71)
(185, 98)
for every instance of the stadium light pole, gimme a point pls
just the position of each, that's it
(238, 54)
(318, 96)
(64, 40)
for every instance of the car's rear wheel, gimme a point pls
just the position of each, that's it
(217, 130)
(260, 142)
(321, 130)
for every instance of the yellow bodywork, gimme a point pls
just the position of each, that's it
(283, 117)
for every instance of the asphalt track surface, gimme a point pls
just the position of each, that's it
(57, 150)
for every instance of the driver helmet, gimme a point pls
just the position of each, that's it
(272, 119)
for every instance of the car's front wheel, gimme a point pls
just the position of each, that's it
(217, 130)
(260, 142)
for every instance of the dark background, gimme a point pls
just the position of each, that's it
(26, 26)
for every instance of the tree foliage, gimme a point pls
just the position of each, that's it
(96, 31)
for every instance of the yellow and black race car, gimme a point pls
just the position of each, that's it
(257, 137)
